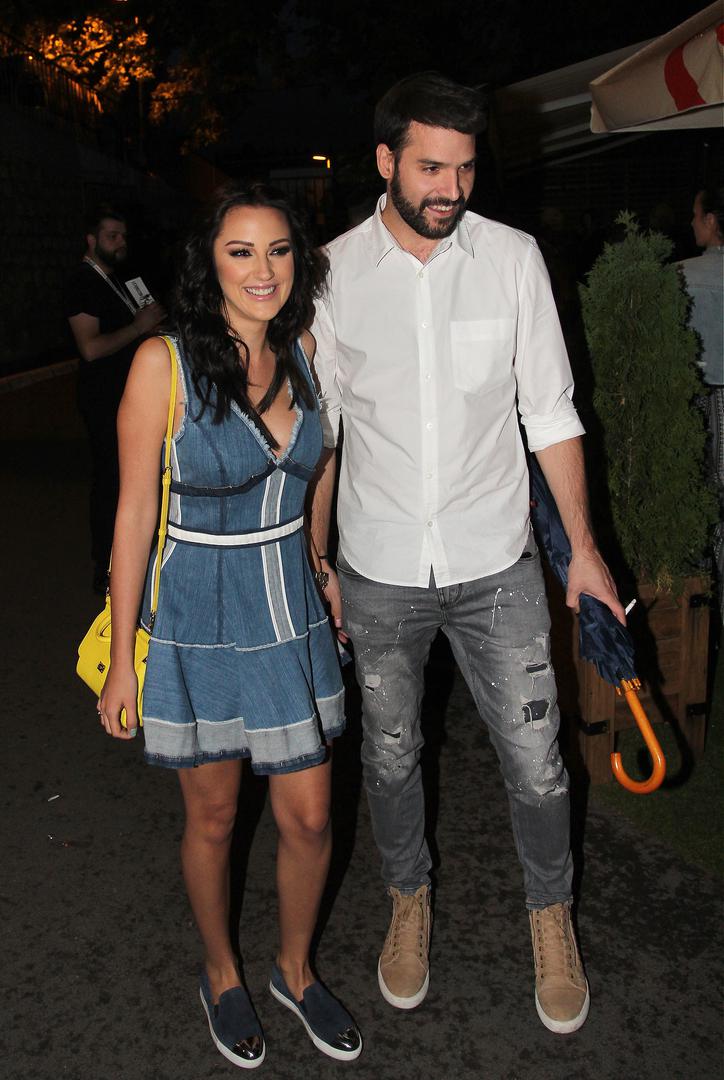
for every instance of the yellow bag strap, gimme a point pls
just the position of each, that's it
(165, 476)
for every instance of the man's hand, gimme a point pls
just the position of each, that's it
(92, 345)
(588, 573)
(148, 318)
(563, 468)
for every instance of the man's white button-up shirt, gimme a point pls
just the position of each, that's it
(428, 366)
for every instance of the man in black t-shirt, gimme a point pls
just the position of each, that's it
(107, 323)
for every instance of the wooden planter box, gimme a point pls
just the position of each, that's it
(671, 635)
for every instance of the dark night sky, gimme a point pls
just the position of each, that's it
(327, 103)
(301, 76)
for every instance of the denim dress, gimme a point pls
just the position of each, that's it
(242, 662)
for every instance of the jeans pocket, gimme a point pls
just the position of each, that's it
(530, 551)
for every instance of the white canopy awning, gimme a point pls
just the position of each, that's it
(551, 116)
(547, 118)
(674, 81)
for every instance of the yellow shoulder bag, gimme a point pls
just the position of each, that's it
(94, 651)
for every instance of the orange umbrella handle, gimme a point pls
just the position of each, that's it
(640, 787)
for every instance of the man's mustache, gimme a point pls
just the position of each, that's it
(449, 204)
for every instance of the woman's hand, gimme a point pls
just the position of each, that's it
(120, 692)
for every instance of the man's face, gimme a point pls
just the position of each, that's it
(108, 244)
(430, 180)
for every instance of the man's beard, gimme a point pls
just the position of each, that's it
(414, 216)
(110, 258)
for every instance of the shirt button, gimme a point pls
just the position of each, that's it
(428, 376)
(421, 273)
(429, 476)
(424, 325)
(428, 425)
(429, 524)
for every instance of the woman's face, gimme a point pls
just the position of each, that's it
(254, 265)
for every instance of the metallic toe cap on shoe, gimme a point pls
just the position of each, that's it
(249, 1049)
(347, 1040)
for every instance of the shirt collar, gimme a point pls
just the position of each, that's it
(382, 242)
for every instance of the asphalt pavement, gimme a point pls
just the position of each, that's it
(100, 954)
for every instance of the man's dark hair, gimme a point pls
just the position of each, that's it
(427, 98)
(712, 202)
(99, 213)
(199, 310)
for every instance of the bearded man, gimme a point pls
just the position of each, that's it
(107, 324)
(439, 331)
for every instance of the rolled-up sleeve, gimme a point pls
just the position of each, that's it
(325, 369)
(542, 369)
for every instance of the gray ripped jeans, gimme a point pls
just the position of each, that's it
(498, 628)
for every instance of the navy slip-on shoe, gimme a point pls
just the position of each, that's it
(328, 1024)
(234, 1025)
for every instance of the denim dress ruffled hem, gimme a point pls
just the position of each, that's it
(242, 662)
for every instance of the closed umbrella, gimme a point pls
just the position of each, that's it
(602, 639)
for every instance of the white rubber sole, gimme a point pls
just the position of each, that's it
(402, 1002)
(330, 1051)
(564, 1027)
(224, 1050)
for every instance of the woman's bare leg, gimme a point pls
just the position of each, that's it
(300, 802)
(210, 795)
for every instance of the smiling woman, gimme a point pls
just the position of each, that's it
(241, 660)
(256, 273)
(215, 311)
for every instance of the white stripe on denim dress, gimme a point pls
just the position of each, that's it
(174, 511)
(234, 645)
(248, 539)
(272, 560)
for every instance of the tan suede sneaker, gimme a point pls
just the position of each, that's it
(404, 971)
(561, 988)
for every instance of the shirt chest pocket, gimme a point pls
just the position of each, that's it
(482, 353)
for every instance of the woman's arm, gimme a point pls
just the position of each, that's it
(142, 418)
(319, 510)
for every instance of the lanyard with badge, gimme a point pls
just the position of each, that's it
(113, 285)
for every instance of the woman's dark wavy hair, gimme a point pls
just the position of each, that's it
(199, 311)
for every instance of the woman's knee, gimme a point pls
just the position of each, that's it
(308, 823)
(212, 819)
